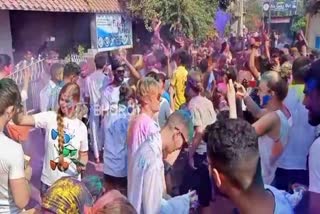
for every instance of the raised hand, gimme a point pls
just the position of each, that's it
(231, 95)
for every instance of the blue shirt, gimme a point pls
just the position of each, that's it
(166, 96)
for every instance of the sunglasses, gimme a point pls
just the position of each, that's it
(68, 152)
(62, 167)
(55, 134)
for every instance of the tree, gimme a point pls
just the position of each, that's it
(253, 14)
(195, 16)
(299, 23)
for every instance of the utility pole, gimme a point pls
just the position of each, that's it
(241, 12)
(269, 18)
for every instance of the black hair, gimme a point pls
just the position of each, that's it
(153, 75)
(71, 68)
(232, 148)
(203, 65)
(265, 65)
(300, 67)
(314, 73)
(5, 60)
(275, 52)
(183, 56)
(162, 77)
(10, 94)
(101, 60)
(223, 47)
(125, 94)
(231, 73)
(115, 63)
(161, 57)
(284, 58)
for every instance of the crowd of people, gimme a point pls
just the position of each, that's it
(241, 112)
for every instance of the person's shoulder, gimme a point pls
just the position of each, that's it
(9, 145)
(282, 203)
(147, 150)
(47, 114)
(107, 90)
(200, 102)
(81, 125)
(315, 147)
(271, 116)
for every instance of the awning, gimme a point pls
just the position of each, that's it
(280, 20)
(85, 6)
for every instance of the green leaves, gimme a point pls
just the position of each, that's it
(299, 23)
(196, 16)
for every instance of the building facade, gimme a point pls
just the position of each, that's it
(27, 25)
(313, 26)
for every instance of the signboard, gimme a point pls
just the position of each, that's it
(283, 7)
(317, 46)
(280, 20)
(114, 31)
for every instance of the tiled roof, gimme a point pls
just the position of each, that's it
(100, 6)
(62, 5)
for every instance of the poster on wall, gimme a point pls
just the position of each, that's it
(114, 31)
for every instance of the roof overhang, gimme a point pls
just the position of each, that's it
(80, 6)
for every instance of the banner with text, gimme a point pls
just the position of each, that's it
(114, 31)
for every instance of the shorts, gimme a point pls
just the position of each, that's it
(199, 180)
(43, 189)
(117, 183)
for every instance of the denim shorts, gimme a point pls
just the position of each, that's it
(43, 189)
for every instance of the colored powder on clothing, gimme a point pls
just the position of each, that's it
(94, 184)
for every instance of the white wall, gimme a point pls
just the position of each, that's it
(314, 30)
(5, 33)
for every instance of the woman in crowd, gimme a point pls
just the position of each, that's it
(273, 122)
(66, 141)
(225, 51)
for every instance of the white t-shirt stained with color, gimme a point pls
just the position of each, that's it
(11, 167)
(75, 140)
(145, 181)
(95, 82)
(110, 96)
(140, 127)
